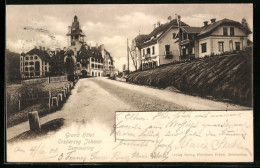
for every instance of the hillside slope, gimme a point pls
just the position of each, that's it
(220, 77)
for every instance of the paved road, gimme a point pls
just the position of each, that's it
(96, 99)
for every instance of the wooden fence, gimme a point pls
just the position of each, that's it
(54, 98)
(46, 80)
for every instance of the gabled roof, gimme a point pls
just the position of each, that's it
(75, 28)
(91, 52)
(159, 32)
(195, 30)
(42, 54)
(209, 28)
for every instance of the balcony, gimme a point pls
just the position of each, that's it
(186, 41)
(168, 55)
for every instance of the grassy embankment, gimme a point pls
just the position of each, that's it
(14, 116)
(224, 78)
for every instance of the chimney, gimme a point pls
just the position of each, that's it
(169, 18)
(205, 23)
(35, 47)
(40, 47)
(158, 24)
(97, 45)
(64, 48)
(213, 20)
(154, 25)
(43, 48)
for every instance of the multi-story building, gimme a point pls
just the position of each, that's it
(78, 58)
(35, 63)
(175, 40)
(215, 38)
(158, 47)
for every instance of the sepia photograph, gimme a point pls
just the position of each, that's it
(93, 83)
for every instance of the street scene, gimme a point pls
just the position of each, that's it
(71, 77)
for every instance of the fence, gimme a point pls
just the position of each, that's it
(45, 97)
(46, 80)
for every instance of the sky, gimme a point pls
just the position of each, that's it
(46, 25)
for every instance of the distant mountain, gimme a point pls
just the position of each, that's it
(12, 66)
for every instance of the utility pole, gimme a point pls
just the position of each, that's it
(127, 57)
(179, 30)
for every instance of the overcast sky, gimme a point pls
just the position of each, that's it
(110, 25)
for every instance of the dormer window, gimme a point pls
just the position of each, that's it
(225, 31)
(232, 31)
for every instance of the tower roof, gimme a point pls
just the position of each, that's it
(75, 28)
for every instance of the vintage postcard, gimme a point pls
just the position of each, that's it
(129, 83)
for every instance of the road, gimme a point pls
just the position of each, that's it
(97, 99)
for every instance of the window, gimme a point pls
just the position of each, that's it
(26, 58)
(31, 68)
(153, 50)
(92, 73)
(232, 31)
(191, 36)
(21, 58)
(26, 74)
(225, 31)
(204, 47)
(92, 65)
(31, 57)
(95, 65)
(31, 63)
(37, 73)
(101, 61)
(174, 35)
(237, 46)
(221, 46)
(45, 68)
(26, 63)
(167, 48)
(148, 50)
(190, 50)
(99, 66)
(26, 69)
(31, 74)
(92, 59)
(35, 57)
(184, 36)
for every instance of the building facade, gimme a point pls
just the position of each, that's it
(215, 38)
(158, 47)
(35, 63)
